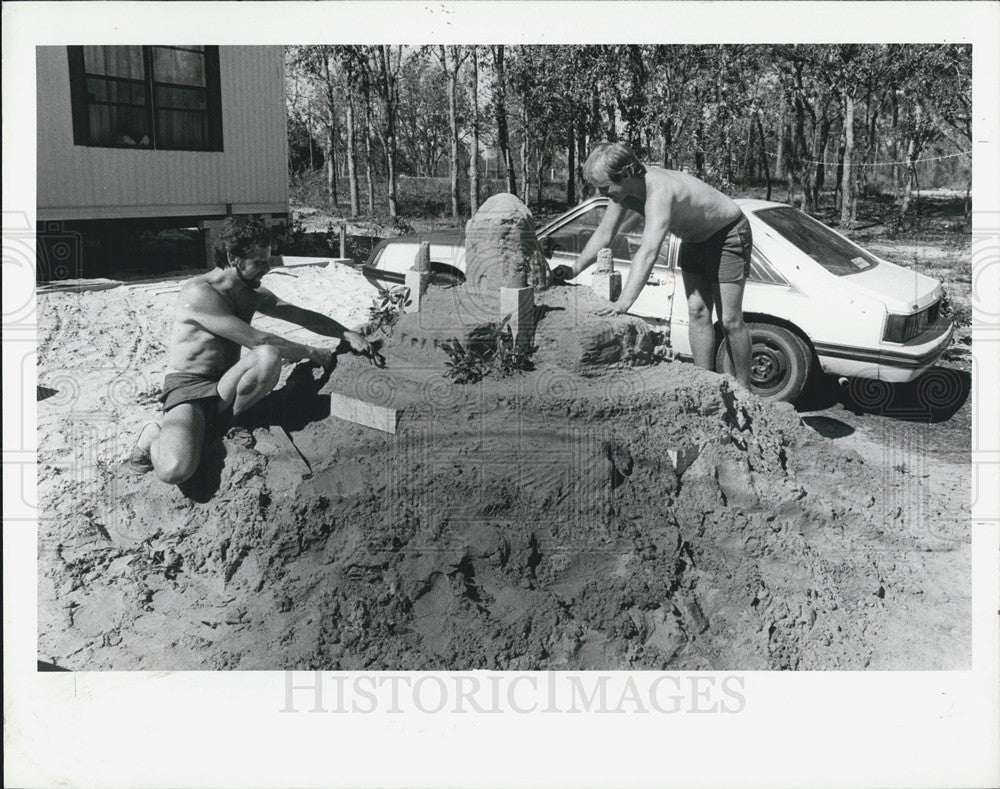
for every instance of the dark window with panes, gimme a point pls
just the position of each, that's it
(146, 97)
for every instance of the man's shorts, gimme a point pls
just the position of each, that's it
(723, 256)
(200, 390)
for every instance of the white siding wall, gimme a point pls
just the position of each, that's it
(251, 172)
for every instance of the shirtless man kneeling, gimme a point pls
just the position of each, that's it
(714, 258)
(208, 383)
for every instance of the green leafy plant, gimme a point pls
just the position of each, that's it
(386, 308)
(490, 351)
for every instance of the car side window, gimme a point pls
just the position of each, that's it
(631, 230)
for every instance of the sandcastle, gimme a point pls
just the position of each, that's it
(508, 278)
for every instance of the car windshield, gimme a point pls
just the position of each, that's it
(835, 254)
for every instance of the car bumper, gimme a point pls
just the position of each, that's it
(894, 364)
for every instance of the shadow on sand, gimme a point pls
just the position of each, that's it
(292, 407)
(935, 396)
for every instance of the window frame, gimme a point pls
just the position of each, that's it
(80, 103)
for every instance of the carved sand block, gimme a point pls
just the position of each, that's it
(419, 276)
(605, 281)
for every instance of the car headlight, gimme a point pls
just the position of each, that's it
(897, 328)
(903, 328)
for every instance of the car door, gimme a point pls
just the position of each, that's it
(564, 241)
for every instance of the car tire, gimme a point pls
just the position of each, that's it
(446, 276)
(780, 364)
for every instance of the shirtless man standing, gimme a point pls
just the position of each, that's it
(207, 382)
(714, 258)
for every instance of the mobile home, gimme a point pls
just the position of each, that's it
(159, 136)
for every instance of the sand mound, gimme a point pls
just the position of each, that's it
(540, 526)
(568, 335)
(651, 517)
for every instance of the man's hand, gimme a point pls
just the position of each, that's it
(610, 308)
(358, 343)
(362, 347)
(321, 357)
(562, 272)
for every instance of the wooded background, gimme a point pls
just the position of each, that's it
(795, 120)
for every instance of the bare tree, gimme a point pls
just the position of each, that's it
(474, 129)
(352, 61)
(389, 93)
(500, 110)
(451, 59)
(331, 153)
(848, 208)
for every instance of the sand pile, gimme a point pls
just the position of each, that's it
(631, 517)
(567, 335)
(537, 522)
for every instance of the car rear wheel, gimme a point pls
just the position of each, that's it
(780, 363)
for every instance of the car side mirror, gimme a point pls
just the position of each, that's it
(548, 246)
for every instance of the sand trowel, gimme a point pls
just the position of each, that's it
(285, 439)
(300, 385)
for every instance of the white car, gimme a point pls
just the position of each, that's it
(813, 298)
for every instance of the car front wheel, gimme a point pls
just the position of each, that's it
(780, 363)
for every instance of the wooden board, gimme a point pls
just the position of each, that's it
(362, 413)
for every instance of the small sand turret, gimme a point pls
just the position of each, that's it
(605, 281)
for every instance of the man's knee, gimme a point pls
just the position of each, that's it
(174, 469)
(267, 363)
(699, 312)
(267, 358)
(732, 324)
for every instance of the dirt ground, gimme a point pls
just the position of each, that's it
(650, 517)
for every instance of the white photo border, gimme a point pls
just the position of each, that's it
(227, 729)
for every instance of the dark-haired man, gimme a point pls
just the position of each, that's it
(208, 382)
(714, 258)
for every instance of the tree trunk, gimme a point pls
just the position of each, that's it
(369, 168)
(500, 104)
(838, 193)
(801, 175)
(452, 74)
(699, 155)
(819, 157)
(571, 167)
(779, 156)
(331, 158)
(389, 99)
(667, 130)
(474, 144)
(848, 206)
(581, 153)
(611, 121)
(763, 155)
(745, 168)
(894, 147)
(312, 164)
(871, 154)
(352, 170)
(524, 155)
(909, 176)
(540, 172)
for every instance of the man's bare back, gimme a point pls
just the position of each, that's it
(696, 209)
(714, 260)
